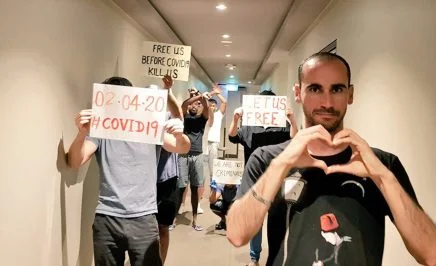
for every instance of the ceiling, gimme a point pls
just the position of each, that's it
(261, 31)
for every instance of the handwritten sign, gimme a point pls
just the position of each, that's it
(160, 59)
(266, 111)
(128, 113)
(227, 172)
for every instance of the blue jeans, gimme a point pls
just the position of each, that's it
(256, 246)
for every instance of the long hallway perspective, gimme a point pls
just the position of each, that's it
(55, 54)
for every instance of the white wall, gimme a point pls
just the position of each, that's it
(50, 54)
(390, 46)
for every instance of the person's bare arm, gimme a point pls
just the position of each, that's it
(206, 111)
(414, 225)
(291, 119)
(194, 95)
(248, 213)
(173, 105)
(233, 128)
(81, 149)
(174, 139)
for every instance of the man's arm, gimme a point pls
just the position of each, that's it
(81, 149)
(247, 214)
(223, 105)
(233, 128)
(206, 112)
(217, 91)
(173, 105)
(174, 140)
(291, 119)
(194, 95)
(414, 225)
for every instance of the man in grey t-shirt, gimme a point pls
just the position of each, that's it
(125, 215)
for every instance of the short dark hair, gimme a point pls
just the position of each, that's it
(267, 92)
(118, 81)
(212, 101)
(324, 56)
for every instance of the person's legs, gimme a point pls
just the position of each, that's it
(167, 208)
(143, 241)
(109, 247)
(182, 207)
(196, 178)
(256, 246)
(213, 154)
(164, 235)
(219, 208)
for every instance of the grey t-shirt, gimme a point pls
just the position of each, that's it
(128, 175)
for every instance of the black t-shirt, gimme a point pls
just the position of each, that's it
(253, 137)
(194, 129)
(337, 219)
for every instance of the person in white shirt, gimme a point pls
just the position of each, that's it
(214, 135)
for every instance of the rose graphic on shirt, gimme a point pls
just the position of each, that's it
(329, 226)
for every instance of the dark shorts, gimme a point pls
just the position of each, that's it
(166, 201)
(113, 236)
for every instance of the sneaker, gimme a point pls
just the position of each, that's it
(171, 227)
(220, 226)
(197, 227)
(199, 209)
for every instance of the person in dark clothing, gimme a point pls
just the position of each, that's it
(251, 138)
(327, 191)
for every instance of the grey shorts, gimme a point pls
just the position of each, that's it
(191, 170)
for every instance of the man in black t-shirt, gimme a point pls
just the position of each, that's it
(327, 191)
(251, 138)
(196, 113)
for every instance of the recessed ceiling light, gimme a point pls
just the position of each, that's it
(221, 7)
(226, 42)
(225, 36)
(232, 76)
(249, 82)
(228, 55)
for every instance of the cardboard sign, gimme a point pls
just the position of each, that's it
(227, 172)
(160, 59)
(128, 113)
(266, 111)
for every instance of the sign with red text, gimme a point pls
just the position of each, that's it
(262, 110)
(128, 113)
(227, 172)
(160, 59)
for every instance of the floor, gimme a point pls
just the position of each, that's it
(210, 247)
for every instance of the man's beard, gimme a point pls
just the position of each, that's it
(193, 112)
(330, 126)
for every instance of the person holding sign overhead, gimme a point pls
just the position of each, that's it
(125, 217)
(196, 113)
(167, 175)
(253, 137)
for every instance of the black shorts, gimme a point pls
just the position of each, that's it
(166, 201)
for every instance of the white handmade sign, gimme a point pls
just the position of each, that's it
(160, 59)
(227, 172)
(128, 113)
(266, 111)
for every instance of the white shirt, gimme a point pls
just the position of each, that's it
(215, 129)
